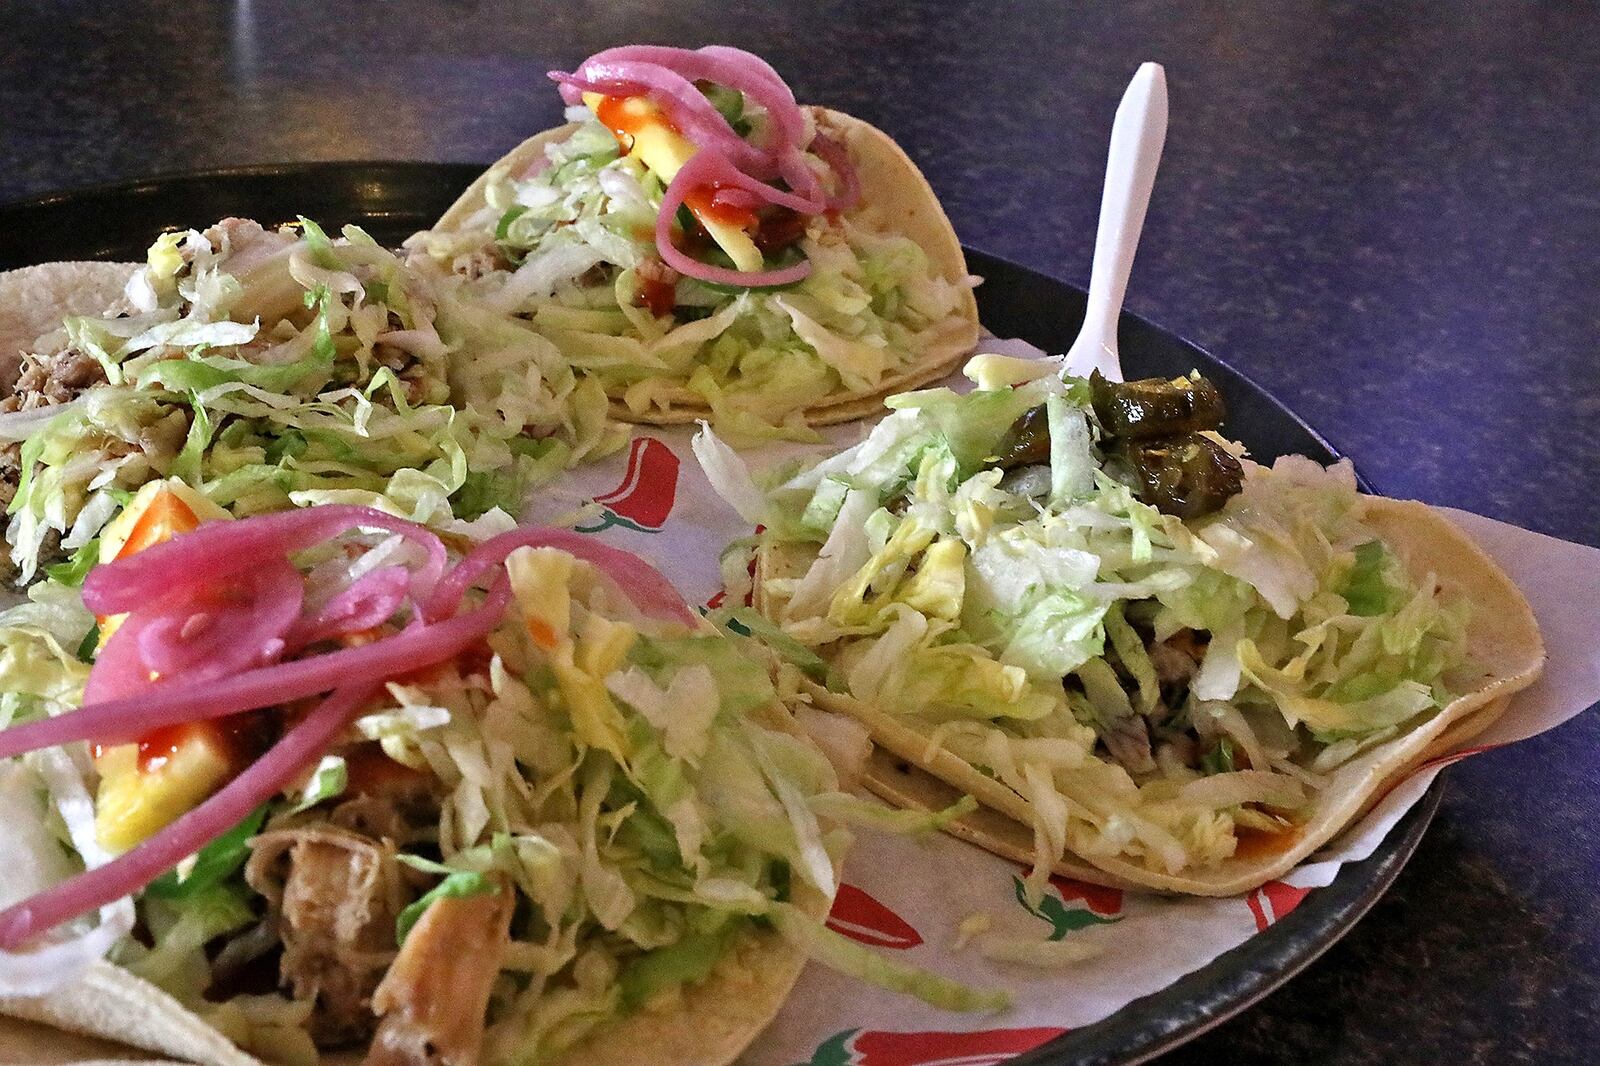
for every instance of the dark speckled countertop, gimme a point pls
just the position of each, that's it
(1385, 214)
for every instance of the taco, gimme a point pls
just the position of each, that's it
(1155, 662)
(268, 368)
(556, 820)
(33, 302)
(35, 370)
(704, 247)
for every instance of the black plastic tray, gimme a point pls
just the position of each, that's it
(392, 200)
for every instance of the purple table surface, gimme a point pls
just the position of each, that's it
(1387, 215)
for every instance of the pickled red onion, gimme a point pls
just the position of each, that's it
(165, 703)
(642, 583)
(118, 670)
(219, 550)
(666, 76)
(708, 168)
(200, 633)
(370, 600)
(837, 157)
(220, 631)
(721, 65)
(686, 107)
(350, 674)
(702, 169)
(299, 748)
(802, 179)
(734, 199)
(753, 65)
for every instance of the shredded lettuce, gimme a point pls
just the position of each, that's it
(329, 778)
(40, 671)
(215, 863)
(75, 569)
(849, 957)
(869, 814)
(180, 928)
(270, 369)
(457, 885)
(747, 622)
(1367, 591)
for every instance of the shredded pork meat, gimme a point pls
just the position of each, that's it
(1177, 659)
(1128, 741)
(46, 380)
(433, 999)
(1141, 742)
(10, 472)
(335, 896)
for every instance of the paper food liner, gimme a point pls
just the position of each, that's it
(909, 896)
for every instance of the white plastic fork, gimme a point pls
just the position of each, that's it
(1137, 135)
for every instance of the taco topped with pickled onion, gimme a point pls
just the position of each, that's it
(1162, 664)
(702, 245)
(346, 790)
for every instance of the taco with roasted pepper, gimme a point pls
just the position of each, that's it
(1154, 661)
(316, 783)
(705, 247)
